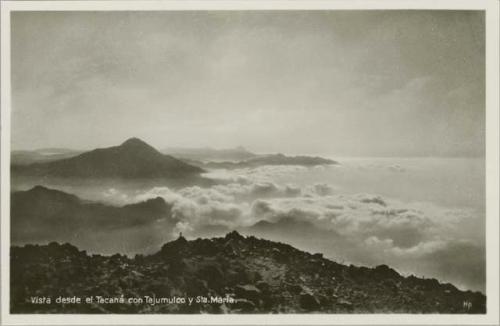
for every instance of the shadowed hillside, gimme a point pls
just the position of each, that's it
(42, 213)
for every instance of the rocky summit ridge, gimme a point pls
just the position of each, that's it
(231, 274)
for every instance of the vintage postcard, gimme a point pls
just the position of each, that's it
(249, 162)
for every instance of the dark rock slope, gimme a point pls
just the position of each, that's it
(260, 275)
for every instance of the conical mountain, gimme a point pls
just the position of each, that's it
(132, 159)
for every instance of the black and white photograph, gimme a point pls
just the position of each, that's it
(210, 161)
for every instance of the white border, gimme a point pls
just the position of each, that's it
(492, 162)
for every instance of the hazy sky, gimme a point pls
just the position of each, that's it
(342, 83)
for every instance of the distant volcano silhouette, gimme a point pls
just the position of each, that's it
(132, 159)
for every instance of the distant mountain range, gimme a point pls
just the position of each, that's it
(134, 159)
(209, 154)
(231, 274)
(42, 213)
(270, 159)
(41, 155)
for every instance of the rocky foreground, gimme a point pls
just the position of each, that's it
(234, 274)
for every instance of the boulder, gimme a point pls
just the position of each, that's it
(248, 291)
(263, 286)
(212, 273)
(308, 301)
(295, 288)
(384, 271)
(234, 235)
(345, 304)
(244, 305)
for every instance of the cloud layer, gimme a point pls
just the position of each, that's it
(420, 238)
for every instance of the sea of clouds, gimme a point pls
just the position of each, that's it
(418, 238)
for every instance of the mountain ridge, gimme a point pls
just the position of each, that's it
(44, 213)
(205, 157)
(210, 154)
(261, 276)
(268, 159)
